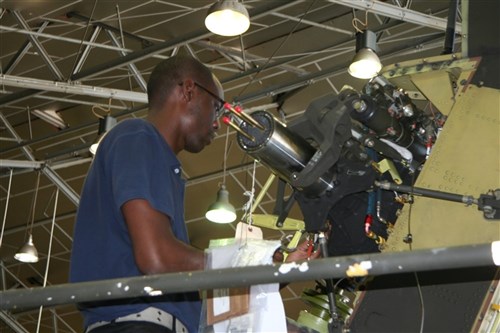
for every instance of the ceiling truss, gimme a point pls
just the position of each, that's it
(299, 69)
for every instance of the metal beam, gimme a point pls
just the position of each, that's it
(314, 24)
(150, 51)
(108, 27)
(62, 185)
(324, 74)
(175, 42)
(344, 42)
(337, 267)
(398, 13)
(12, 323)
(39, 47)
(73, 88)
(249, 56)
(60, 38)
(46, 170)
(132, 67)
(22, 51)
(20, 164)
(68, 130)
(86, 51)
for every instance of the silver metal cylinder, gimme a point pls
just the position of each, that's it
(279, 149)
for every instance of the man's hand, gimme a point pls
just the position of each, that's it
(304, 251)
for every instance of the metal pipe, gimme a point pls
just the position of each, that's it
(12, 323)
(132, 67)
(74, 14)
(20, 164)
(72, 88)
(325, 73)
(41, 50)
(68, 130)
(138, 55)
(22, 51)
(466, 199)
(83, 56)
(337, 267)
(47, 171)
(449, 38)
(395, 12)
(249, 56)
(172, 43)
(345, 42)
(314, 24)
(62, 185)
(33, 34)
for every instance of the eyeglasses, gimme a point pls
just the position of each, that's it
(219, 111)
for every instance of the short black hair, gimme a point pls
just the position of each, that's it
(169, 73)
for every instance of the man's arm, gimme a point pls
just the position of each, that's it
(156, 249)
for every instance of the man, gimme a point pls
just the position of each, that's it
(130, 221)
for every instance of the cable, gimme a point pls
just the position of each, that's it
(48, 258)
(409, 240)
(355, 22)
(277, 49)
(6, 206)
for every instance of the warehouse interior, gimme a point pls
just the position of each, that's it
(83, 60)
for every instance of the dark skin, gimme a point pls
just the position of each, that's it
(187, 122)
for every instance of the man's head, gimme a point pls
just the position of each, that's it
(185, 92)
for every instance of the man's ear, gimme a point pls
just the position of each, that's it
(187, 89)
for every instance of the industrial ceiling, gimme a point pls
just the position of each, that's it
(87, 59)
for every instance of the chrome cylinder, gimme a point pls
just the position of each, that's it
(279, 149)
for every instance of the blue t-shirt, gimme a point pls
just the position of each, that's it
(133, 162)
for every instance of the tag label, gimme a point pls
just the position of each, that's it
(246, 231)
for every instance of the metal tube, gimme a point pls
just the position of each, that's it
(83, 56)
(172, 43)
(449, 38)
(132, 67)
(398, 13)
(426, 192)
(62, 185)
(72, 88)
(108, 27)
(325, 73)
(41, 50)
(10, 321)
(22, 52)
(336, 267)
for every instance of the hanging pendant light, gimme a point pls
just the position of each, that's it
(365, 64)
(28, 253)
(227, 18)
(105, 125)
(221, 211)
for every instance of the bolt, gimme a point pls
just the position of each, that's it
(369, 143)
(408, 239)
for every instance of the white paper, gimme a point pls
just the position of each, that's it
(267, 313)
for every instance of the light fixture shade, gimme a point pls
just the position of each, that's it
(227, 18)
(27, 253)
(105, 125)
(221, 211)
(365, 63)
(93, 147)
(51, 117)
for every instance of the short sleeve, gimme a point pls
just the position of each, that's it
(140, 171)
